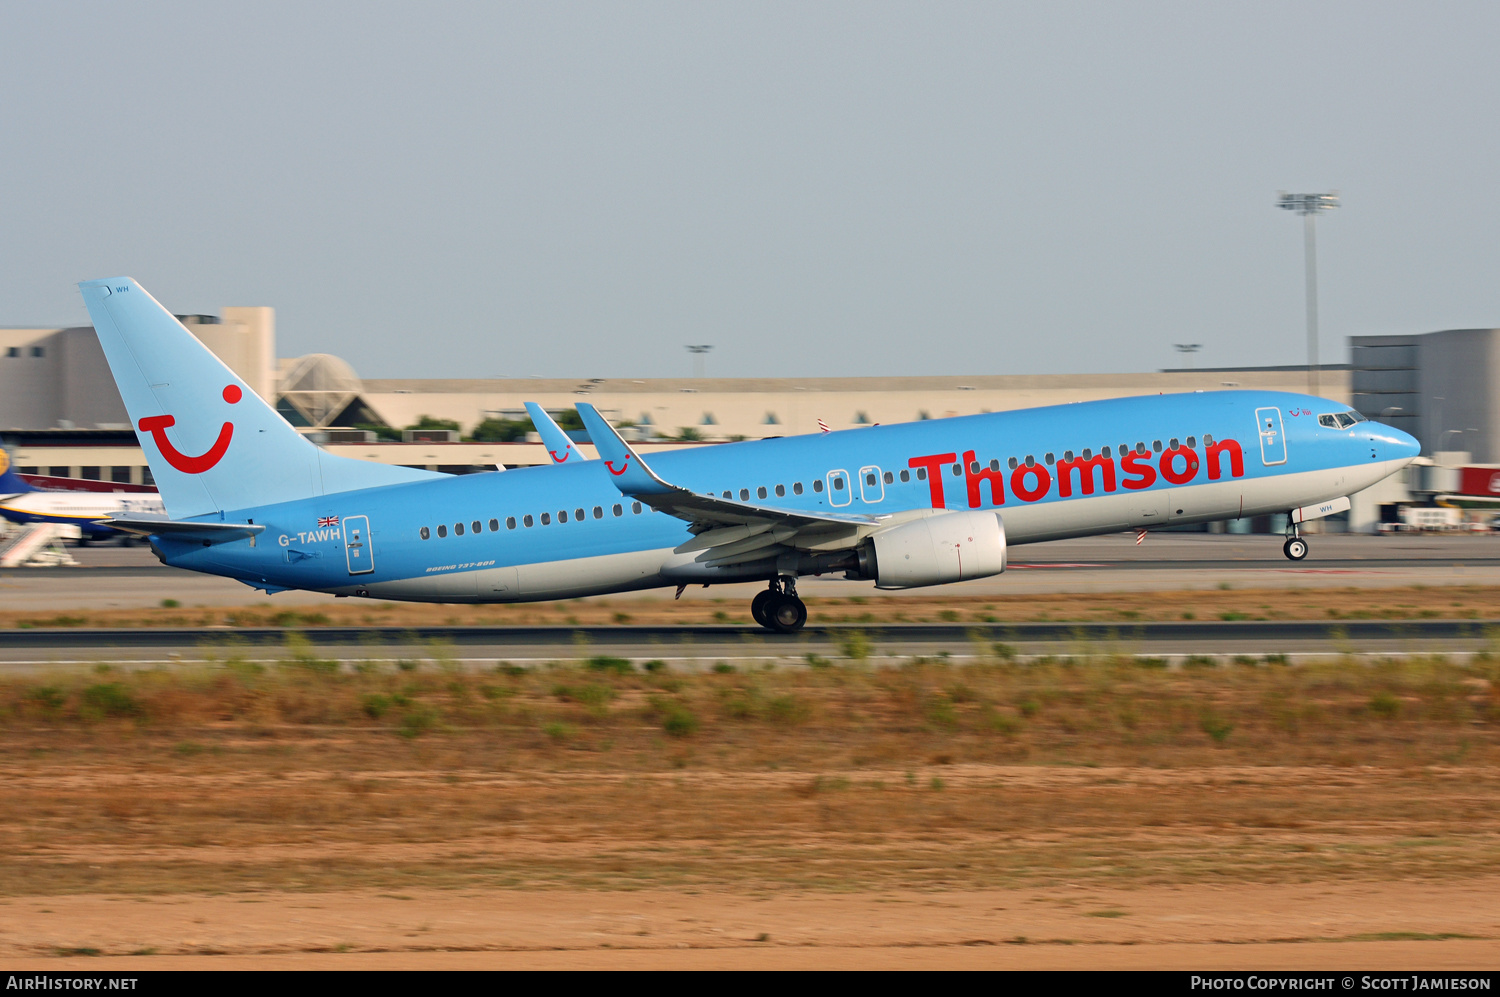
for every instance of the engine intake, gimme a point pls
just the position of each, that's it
(951, 547)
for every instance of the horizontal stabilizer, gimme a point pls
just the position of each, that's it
(146, 525)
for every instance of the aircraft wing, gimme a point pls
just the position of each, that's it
(560, 447)
(726, 530)
(146, 524)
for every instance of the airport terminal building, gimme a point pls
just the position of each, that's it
(61, 414)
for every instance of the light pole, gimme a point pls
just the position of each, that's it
(698, 353)
(1187, 350)
(1308, 206)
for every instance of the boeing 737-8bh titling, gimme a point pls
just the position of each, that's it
(923, 503)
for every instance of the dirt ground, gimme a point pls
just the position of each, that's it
(1338, 926)
(1073, 813)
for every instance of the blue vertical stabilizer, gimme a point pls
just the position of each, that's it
(212, 443)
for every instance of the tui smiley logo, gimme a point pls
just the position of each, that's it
(157, 426)
(624, 466)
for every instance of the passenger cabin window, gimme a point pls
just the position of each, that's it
(458, 529)
(818, 485)
(1173, 443)
(760, 492)
(1030, 461)
(905, 475)
(546, 519)
(889, 478)
(1140, 448)
(1049, 459)
(973, 467)
(957, 470)
(1156, 445)
(728, 494)
(1208, 441)
(426, 533)
(838, 484)
(1107, 454)
(1067, 455)
(780, 491)
(494, 525)
(744, 494)
(635, 507)
(870, 478)
(526, 521)
(616, 509)
(1013, 463)
(578, 515)
(1192, 441)
(796, 488)
(475, 526)
(510, 522)
(562, 516)
(598, 512)
(442, 532)
(921, 474)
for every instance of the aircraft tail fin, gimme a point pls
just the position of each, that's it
(212, 443)
(560, 446)
(11, 483)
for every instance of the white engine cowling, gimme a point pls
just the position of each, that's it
(950, 547)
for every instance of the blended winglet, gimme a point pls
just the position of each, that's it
(560, 447)
(626, 469)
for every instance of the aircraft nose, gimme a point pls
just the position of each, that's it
(1404, 446)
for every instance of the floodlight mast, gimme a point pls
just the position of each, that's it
(699, 352)
(1308, 206)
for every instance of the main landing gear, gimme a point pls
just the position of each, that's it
(778, 608)
(1295, 547)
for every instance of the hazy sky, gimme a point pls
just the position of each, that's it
(457, 190)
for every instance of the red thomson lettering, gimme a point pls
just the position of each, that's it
(1138, 464)
(1169, 465)
(972, 478)
(1236, 459)
(1085, 469)
(1018, 482)
(934, 464)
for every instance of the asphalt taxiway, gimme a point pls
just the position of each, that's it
(113, 577)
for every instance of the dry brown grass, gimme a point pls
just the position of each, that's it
(1417, 602)
(302, 776)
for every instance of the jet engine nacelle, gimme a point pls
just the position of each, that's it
(950, 547)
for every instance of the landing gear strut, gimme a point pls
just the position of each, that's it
(778, 608)
(1295, 547)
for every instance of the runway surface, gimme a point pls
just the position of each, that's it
(130, 577)
(703, 646)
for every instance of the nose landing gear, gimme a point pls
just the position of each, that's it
(1295, 547)
(778, 608)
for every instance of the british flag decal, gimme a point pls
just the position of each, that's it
(328, 520)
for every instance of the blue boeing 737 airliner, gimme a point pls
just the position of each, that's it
(907, 505)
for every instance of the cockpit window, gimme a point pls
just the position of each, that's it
(1340, 420)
